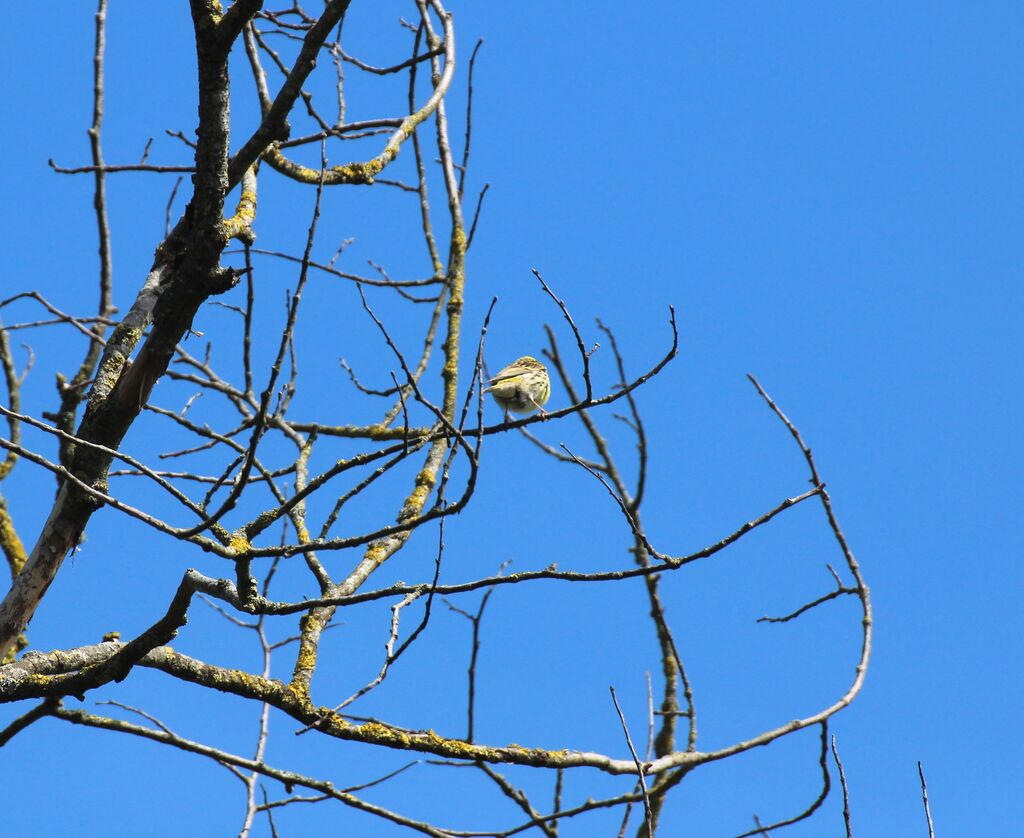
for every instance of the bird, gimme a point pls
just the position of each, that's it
(521, 387)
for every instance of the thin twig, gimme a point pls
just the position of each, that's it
(584, 354)
(924, 799)
(846, 793)
(826, 786)
(639, 768)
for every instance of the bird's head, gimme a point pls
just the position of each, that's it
(529, 362)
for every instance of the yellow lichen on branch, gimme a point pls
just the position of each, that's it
(10, 543)
(239, 544)
(239, 226)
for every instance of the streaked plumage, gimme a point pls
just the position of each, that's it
(521, 387)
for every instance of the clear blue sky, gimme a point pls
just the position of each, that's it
(829, 194)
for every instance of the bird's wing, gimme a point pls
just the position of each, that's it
(506, 374)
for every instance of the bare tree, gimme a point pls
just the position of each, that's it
(268, 479)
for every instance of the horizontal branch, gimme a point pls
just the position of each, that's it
(226, 592)
(129, 167)
(288, 778)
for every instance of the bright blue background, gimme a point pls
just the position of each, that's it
(829, 194)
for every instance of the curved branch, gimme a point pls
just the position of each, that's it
(365, 171)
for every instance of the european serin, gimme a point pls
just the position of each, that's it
(521, 387)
